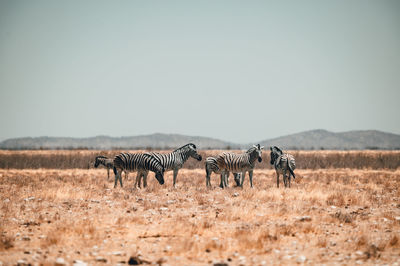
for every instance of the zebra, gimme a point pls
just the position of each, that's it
(107, 162)
(240, 163)
(283, 163)
(174, 160)
(212, 166)
(140, 162)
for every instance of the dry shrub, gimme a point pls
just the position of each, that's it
(362, 240)
(394, 241)
(336, 198)
(138, 220)
(344, 217)
(321, 242)
(201, 200)
(53, 238)
(213, 245)
(371, 252)
(84, 159)
(245, 238)
(151, 204)
(265, 237)
(248, 194)
(6, 242)
(207, 224)
(285, 230)
(306, 228)
(251, 238)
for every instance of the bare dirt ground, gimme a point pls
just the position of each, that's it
(333, 216)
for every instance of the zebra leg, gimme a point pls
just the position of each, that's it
(208, 172)
(285, 178)
(136, 183)
(108, 173)
(277, 179)
(120, 178)
(251, 178)
(175, 174)
(139, 178)
(242, 179)
(226, 179)
(126, 175)
(116, 179)
(237, 179)
(144, 175)
(222, 183)
(289, 179)
(222, 180)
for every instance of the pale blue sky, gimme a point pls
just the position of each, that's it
(240, 71)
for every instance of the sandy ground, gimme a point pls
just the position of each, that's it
(334, 216)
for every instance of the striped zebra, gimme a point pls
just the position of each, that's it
(107, 162)
(212, 166)
(174, 161)
(240, 163)
(283, 163)
(140, 162)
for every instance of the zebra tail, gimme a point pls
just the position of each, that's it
(290, 169)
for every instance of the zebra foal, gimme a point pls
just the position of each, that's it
(240, 163)
(140, 162)
(107, 162)
(211, 166)
(283, 163)
(174, 161)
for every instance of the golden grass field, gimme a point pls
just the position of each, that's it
(329, 216)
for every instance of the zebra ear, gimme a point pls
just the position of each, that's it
(262, 147)
(255, 146)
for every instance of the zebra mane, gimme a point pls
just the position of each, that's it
(101, 156)
(250, 150)
(184, 146)
(275, 149)
(254, 148)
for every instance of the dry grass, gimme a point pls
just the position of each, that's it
(84, 159)
(333, 215)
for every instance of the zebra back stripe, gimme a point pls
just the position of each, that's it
(284, 161)
(237, 162)
(137, 161)
(177, 158)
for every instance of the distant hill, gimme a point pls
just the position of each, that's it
(323, 139)
(308, 140)
(153, 141)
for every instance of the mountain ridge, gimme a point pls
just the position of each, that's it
(306, 140)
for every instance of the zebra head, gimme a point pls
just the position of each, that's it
(160, 177)
(98, 160)
(256, 151)
(192, 152)
(275, 153)
(259, 151)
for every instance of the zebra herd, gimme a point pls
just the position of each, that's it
(223, 164)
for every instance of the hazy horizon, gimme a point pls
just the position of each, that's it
(239, 143)
(230, 70)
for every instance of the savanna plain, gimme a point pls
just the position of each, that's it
(342, 208)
